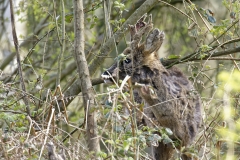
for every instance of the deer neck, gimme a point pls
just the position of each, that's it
(154, 75)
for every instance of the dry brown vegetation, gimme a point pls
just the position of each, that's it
(42, 106)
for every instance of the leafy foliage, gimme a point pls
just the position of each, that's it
(195, 33)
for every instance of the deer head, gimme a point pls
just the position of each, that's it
(139, 59)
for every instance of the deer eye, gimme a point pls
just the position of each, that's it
(127, 60)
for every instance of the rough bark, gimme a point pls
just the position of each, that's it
(84, 77)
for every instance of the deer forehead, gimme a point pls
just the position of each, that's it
(127, 51)
(150, 58)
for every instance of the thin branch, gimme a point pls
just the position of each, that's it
(55, 20)
(15, 39)
(107, 11)
(12, 111)
(29, 54)
(194, 55)
(178, 10)
(171, 62)
(62, 46)
(224, 58)
(47, 132)
(75, 130)
(33, 37)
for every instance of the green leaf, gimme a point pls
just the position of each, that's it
(126, 145)
(193, 32)
(121, 6)
(69, 17)
(102, 154)
(88, 19)
(168, 131)
(142, 139)
(191, 79)
(92, 25)
(205, 48)
(154, 137)
(110, 141)
(173, 56)
(208, 67)
(21, 129)
(166, 139)
(201, 56)
(122, 20)
(120, 57)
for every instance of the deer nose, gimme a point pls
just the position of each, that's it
(116, 72)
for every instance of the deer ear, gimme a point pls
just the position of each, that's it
(154, 40)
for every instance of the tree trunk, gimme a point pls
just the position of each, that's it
(86, 85)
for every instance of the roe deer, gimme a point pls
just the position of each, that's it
(168, 93)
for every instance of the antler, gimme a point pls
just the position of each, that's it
(139, 25)
(154, 41)
(139, 29)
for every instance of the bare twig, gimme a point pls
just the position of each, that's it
(15, 39)
(55, 20)
(107, 11)
(47, 132)
(62, 46)
(12, 111)
(29, 54)
(3, 151)
(224, 58)
(178, 10)
(62, 100)
(76, 129)
(33, 37)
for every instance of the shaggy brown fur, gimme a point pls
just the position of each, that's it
(170, 96)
